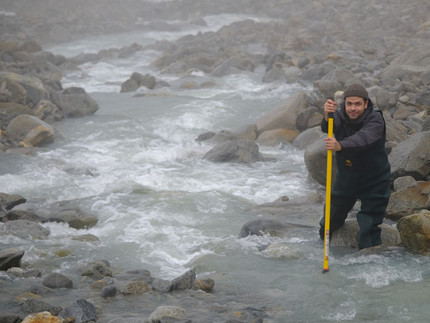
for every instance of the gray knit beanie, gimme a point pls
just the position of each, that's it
(356, 90)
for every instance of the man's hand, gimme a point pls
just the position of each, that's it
(332, 144)
(329, 107)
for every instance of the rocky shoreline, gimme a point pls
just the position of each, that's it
(384, 45)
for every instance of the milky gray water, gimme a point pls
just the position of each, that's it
(136, 165)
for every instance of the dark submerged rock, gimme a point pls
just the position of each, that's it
(10, 257)
(56, 280)
(81, 310)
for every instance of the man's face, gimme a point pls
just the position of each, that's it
(355, 106)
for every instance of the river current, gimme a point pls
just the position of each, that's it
(136, 165)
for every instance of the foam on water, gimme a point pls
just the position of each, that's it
(381, 270)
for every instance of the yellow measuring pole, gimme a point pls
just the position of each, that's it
(328, 197)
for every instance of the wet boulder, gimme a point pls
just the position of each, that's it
(136, 81)
(31, 131)
(37, 306)
(129, 85)
(109, 291)
(284, 251)
(47, 111)
(185, 281)
(206, 284)
(238, 151)
(56, 280)
(415, 232)
(167, 314)
(22, 215)
(42, 317)
(346, 236)
(81, 310)
(10, 110)
(276, 137)
(245, 133)
(136, 288)
(74, 217)
(75, 102)
(24, 89)
(10, 257)
(162, 285)
(24, 229)
(97, 270)
(273, 227)
(9, 201)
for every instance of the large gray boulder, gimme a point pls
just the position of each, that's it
(74, 217)
(56, 280)
(276, 137)
(415, 232)
(411, 157)
(168, 313)
(31, 131)
(245, 133)
(81, 310)
(411, 199)
(237, 151)
(395, 132)
(309, 118)
(284, 116)
(75, 102)
(136, 81)
(185, 281)
(9, 201)
(273, 227)
(316, 161)
(24, 89)
(308, 137)
(383, 99)
(97, 269)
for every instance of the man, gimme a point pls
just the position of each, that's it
(363, 170)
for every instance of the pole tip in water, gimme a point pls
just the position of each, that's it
(325, 271)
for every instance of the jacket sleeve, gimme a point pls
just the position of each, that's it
(372, 131)
(324, 125)
(336, 122)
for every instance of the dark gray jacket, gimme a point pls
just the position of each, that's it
(362, 163)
